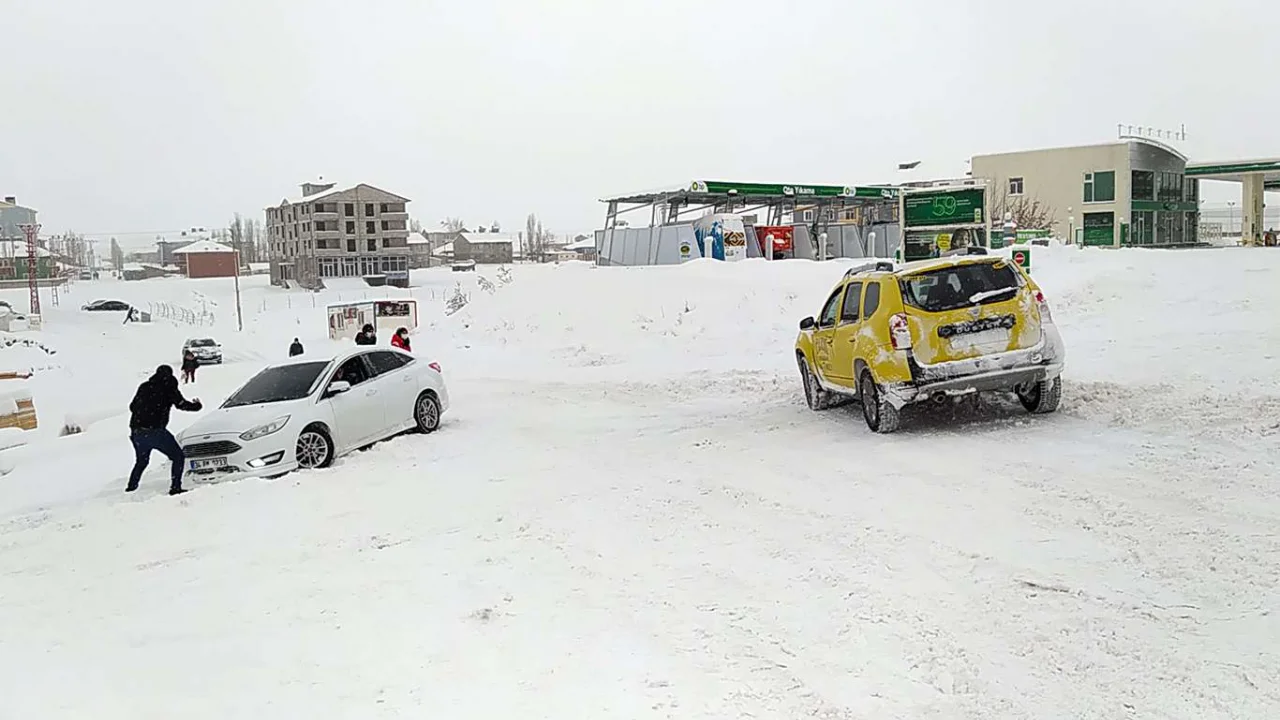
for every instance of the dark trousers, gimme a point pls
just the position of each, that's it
(144, 441)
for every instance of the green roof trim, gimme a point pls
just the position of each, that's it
(1194, 170)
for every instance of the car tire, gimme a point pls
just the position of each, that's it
(814, 396)
(1042, 397)
(426, 412)
(314, 448)
(880, 414)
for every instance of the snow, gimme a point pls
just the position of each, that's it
(18, 249)
(588, 244)
(487, 238)
(203, 246)
(629, 513)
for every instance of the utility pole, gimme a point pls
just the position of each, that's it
(31, 231)
(239, 315)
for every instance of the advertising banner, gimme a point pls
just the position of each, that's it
(721, 236)
(780, 237)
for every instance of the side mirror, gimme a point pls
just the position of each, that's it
(807, 323)
(337, 387)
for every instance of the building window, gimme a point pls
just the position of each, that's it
(370, 227)
(368, 209)
(351, 227)
(351, 244)
(1191, 190)
(349, 209)
(1100, 186)
(1144, 185)
(382, 208)
(372, 244)
(385, 226)
(808, 216)
(1015, 186)
(1142, 229)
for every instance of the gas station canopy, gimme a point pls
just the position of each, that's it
(1236, 170)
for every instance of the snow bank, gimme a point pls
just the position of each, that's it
(629, 513)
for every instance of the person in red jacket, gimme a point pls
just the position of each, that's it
(401, 339)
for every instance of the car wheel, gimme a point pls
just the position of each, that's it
(880, 414)
(1041, 398)
(426, 413)
(814, 396)
(314, 448)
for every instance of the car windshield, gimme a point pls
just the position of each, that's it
(957, 286)
(203, 342)
(278, 384)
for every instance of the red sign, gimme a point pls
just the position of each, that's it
(781, 236)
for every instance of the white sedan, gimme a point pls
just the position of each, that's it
(305, 412)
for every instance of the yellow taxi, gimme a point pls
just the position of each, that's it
(961, 324)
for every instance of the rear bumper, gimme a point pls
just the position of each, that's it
(1003, 371)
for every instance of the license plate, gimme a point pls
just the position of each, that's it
(994, 340)
(208, 463)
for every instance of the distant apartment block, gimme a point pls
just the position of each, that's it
(12, 217)
(328, 233)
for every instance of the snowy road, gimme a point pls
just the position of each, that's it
(652, 551)
(629, 513)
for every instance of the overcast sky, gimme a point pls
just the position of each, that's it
(139, 116)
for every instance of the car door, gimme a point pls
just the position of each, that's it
(845, 338)
(824, 332)
(397, 386)
(357, 413)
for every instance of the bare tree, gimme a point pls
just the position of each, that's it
(1030, 213)
(415, 226)
(236, 233)
(530, 236)
(453, 224)
(251, 240)
(117, 255)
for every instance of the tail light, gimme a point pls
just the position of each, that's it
(1045, 315)
(435, 366)
(899, 332)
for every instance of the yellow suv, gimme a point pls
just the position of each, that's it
(964, 323)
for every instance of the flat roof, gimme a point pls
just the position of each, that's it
(1235, 170)
(710, 192)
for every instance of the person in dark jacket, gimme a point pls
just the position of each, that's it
(401, 339)
(149, 425)
(296, 348)
(367, 336)
(189, 366)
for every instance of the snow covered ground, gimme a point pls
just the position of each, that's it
(630, 513)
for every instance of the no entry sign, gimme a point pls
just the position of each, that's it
(1022, 258)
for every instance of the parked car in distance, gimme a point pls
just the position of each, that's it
(106, 306)
(464, 266)
(206, 350)
(307, 411)
(957, 325)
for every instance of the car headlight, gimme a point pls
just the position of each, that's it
(265, 430)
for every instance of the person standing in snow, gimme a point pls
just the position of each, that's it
(189, 366)
(367, 336)
(149, 425)
(401, 339)
(296, 348)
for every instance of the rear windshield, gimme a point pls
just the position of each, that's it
(959, 286)
(278, 384)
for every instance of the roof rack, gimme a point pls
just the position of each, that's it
(970, 250)
(878, 266)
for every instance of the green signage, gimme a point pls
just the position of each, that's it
(938, 208)
(1022, 258)
(717, 187)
